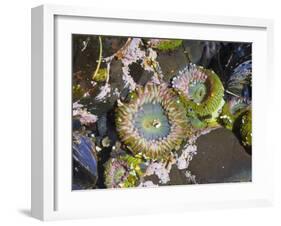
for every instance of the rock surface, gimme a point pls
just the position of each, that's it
(220, 158)
(171, 63)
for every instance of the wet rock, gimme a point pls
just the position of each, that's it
(172, 62)
(153, 178)
(102, 125)
(177, 177)
(76, 124)
(112, 44)
(116, 73)
(220, 158)
(201, 52)
(111, 130)
(99, 106)
(194, 50)
(210, 49)
(103, 157)
(140, 75)
(85, 51)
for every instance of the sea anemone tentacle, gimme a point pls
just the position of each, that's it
(153, 123)
(231, 110)
(246, 129)
(200, 90)
(119, 174)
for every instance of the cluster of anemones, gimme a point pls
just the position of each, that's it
(153, 123)
(156, 120)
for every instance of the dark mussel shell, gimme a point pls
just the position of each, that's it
(85, 173)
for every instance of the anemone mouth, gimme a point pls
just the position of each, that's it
(198, 92)
(199, 89)
(153, 123)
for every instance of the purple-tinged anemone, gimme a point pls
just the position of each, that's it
(153, 123)
(118, 174)
(236, 105)
(200, 90)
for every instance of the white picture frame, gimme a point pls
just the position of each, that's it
(52, 197)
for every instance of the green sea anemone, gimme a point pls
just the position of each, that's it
(231, 110)
(136, 164)
(200, 90)
(153, 123)
(165, 45)
(246, 128)
(118, 174)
